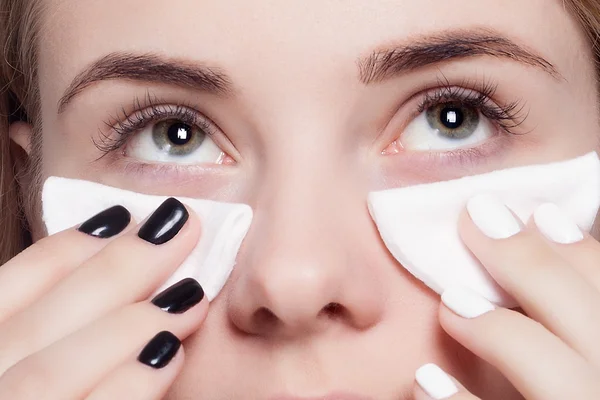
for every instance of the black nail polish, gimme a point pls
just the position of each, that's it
(160, 350)
(108, 223)
(180, 297)
(165, 222)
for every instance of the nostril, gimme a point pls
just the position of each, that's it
(333, 310)
(265, 317)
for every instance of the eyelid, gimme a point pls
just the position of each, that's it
(507, 117)
(153, 110)
(505, 113)
(154, 113)
(474, 91)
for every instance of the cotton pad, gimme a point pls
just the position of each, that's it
(69, 202)
(419, 224)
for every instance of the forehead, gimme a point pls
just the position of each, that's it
(282, 39)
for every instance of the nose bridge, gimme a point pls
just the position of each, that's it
(297, 221)
(298, 260)
(299, 203)
(299, 189)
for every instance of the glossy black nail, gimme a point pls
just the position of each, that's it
(180, 297)
(108, 223)
(159, 352)
(165, 222)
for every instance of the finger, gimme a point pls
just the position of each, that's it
(37, 269)
(434, 383)
(578, 248)
(543, 283)
(73, 366)
(538, 364)
(126, 271)
(136, 380)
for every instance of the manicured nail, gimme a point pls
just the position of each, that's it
(165, 222)
(435, 382)
(466, 303)
(556, 225)
(108, 223)
(180, 297)
(160, 350)
(492, 217)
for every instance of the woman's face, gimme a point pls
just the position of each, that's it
(300, 108)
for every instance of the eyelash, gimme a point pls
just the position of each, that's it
(150, 110)
(507, 117)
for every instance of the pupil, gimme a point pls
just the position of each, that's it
(452, 117)
(179, 134)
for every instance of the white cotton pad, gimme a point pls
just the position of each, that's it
(419, 224)
(69, 202)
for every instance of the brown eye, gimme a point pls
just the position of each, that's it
(453, 121)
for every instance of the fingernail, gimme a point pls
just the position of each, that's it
(159, 352)
(466, 303)
(108, 223)
(165, 222)
(435, 382)
(556, 225)
(492, 217)
(180, 297)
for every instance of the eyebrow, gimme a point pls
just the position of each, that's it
(148, 67)
(446, 46)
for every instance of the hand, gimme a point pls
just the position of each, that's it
(74, 319)
(553, 271)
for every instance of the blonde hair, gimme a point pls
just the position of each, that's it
(19, 100)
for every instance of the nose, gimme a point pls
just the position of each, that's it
(306, 265)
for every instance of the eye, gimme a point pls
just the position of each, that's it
(447, 126)
(174, 141)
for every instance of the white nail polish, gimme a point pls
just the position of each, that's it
(492, 217)
(466, 303)
(435, 382)
(556, 225)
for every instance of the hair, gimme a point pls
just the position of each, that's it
(19, 101)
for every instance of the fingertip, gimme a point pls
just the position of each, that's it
(468, 232)
(194, 218)
(193, 225)
(107, 224)
(418, 393)
(178, 360)
(169, 220)
(458, 328)
(434, 383)
(160, 351)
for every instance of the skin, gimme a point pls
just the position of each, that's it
(305, 140)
